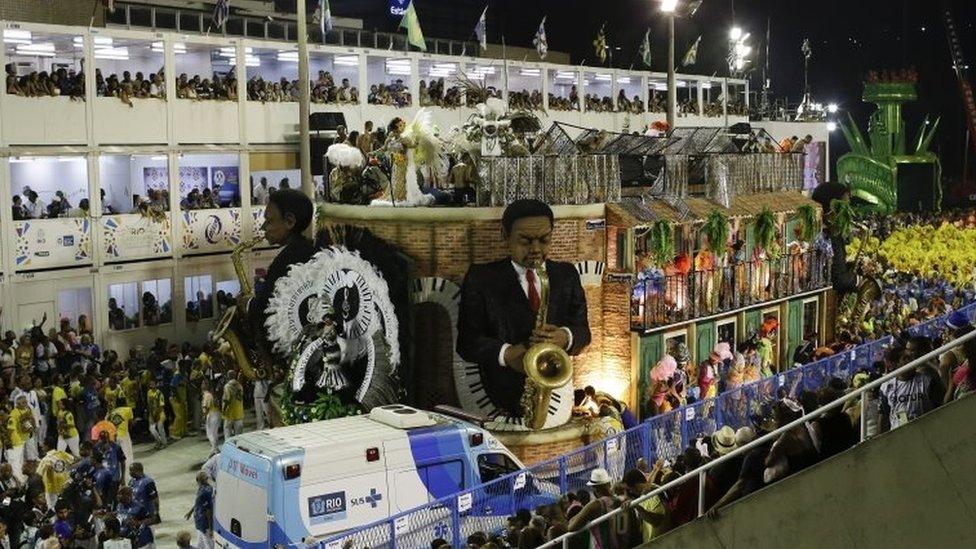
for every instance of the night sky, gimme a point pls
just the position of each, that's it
(849, 38)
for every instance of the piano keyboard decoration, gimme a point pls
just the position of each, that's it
(467, 376)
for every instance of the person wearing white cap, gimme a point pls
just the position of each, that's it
(750, 467)
(602, 503)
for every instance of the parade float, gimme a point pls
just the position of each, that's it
(885, 171)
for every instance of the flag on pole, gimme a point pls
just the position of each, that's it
(540, 42)
(600, 45)
(692, 56)
(645, 49)
(481, 29)
(325, 13)
(410, 21)
(220, 13)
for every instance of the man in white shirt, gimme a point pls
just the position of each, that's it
(909, 395)
(261, 192)
(260, 403)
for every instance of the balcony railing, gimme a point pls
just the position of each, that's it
(669, 299)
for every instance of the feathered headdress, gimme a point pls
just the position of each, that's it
(345, 156)
(421, 135)
(664, 368)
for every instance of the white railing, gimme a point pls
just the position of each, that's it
(700, 472)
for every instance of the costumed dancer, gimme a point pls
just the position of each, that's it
(661, 393)
(500, 300)
(121, 416)
(232, 406)
(344, 181)
(710, 369)
(67, 430)
(156, 409)
(21, 426)
(687, 390)
(212, 408)
(410, 146)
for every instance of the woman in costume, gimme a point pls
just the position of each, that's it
(409, 146)
(662, 387)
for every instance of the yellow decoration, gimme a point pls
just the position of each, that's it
(946, 252)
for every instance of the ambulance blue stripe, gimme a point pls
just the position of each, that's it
(438, 444)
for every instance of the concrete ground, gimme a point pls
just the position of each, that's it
(175, 469)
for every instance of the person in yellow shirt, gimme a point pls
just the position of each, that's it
(120, 416)
(156, 410)
(178, 402)
(211, 407)
(67, 429)
(21, 426)
(233, 406)
(54, 470)
(130, 389)
(57, 395)
(111, 392)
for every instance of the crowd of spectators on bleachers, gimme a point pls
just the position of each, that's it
(394, 94)
(131, 87)
(594, 103)
(223, 88)
(570, 103)
(525, 100)
(324, 90)
(433, 94)
(58, 83)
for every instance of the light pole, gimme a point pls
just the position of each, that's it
(304, 151)
(668, 7)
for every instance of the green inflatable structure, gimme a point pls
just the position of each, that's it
(882, 175)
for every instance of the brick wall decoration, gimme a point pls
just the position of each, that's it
(448, 248)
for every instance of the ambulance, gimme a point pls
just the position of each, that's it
(297, 485)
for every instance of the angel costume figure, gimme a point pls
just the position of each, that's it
(409, 146)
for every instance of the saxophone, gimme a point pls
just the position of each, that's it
(227, 329)
(547, 367)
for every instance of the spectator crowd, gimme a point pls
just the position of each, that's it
(69, 415)
(895, 403)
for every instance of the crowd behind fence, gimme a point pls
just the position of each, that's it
(486, 507)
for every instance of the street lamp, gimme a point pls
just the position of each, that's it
(671, 9)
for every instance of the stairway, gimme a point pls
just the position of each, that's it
(911, 487)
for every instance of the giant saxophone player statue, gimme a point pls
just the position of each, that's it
(288, 214)
(519, 317)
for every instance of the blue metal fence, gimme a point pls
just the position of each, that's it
(485, 508)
